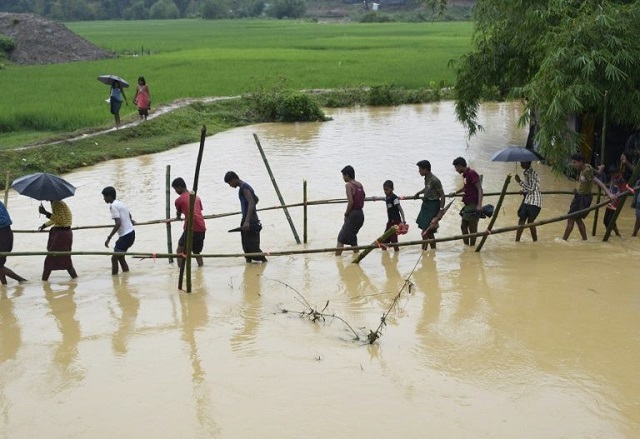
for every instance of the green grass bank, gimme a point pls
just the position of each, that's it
(200, 58)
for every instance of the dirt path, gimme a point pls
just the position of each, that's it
(163, 109)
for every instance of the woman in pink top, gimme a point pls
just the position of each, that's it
(142, 99)
(353, 216)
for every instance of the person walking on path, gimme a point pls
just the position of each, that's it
(532, 201)
(250, 225)
(432, 202)
(142, 98)
(472, 199)
(183, 204)
(353, 215)
(583, 196)
(395, 214)
(115, 100)
(123, 226)
(6, 245)
(60, 238)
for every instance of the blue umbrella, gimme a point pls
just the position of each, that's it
(516, 154)
(43, 187)
(110, 79)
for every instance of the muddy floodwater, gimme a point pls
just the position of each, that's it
(522, 340)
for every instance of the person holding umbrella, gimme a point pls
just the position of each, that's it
(532, 201)
(115, 100)
(60, 238)
(123, 227)
(6, 245)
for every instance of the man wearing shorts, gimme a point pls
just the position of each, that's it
(123, 227)
(583, 196)
(183, 204)
(532, 202)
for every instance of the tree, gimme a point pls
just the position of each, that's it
(215, 9)
(287, 8)
(164, 10)
(561, 57)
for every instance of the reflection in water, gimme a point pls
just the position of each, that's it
(10, 336)
(245, 337)
(129, 305)
(63, 308)
(195, 316)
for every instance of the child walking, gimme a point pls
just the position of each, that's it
(395, 214)
(142, 99)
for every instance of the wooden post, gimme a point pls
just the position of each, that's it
(381, 239)
(621, 201)
(187, 263)
(6, 188)
(275, 185)
(168, 211)
(304, 211)
(496, 211)
(189, 244)
(602, 161)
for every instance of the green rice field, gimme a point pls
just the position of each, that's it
(198, 58)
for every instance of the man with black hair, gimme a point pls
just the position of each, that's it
(123, 227)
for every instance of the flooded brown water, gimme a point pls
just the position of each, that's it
(527, 340)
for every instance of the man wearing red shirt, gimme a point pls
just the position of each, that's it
(199, 226)
(472, 199)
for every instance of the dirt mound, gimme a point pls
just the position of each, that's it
(42, 41)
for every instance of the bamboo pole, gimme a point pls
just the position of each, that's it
(304, 211)
(602, 160)
(6, 188)
(320, 250)
(189, 247)
(168, 210)
(382, 238)
(496, 211)
(275, 185)
(187, 263)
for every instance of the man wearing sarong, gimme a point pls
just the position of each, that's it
(250, 225)
(183, 205)
(60, 238)
(583, 196)
(353, 216)
(432, 203)
(6, 245)
(472, 199)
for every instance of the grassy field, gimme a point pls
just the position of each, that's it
(197, 58)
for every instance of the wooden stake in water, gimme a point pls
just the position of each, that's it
(304, 211)
(187, 264)
(602, 162)
(168, 211)
(6, 188)
(275, 185)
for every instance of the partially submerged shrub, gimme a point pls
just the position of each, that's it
(284, 106)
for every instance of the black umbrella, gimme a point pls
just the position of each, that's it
(110, 79)
(44, 187)
(516, 154)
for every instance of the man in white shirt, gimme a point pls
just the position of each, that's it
(123, 226)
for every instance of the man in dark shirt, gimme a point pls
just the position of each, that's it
(472, 199)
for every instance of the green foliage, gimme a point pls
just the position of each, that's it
(561, 57)
(276, 105)
(164, 10)
(287, 8)
(214, 9)
(7, 44)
